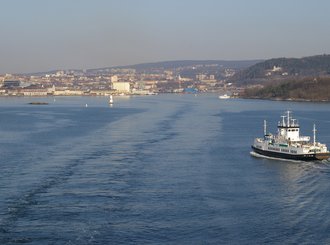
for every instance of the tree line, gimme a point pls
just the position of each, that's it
(312, 89)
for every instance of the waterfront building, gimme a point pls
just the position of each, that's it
(11, 84)
(121, 87)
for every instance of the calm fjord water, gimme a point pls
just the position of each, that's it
(167, 169)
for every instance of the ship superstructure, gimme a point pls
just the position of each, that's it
(289, 144)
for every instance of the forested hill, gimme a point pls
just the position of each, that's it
(283, 68)
(303, 89)
(235, 64)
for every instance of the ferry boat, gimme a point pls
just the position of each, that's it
(288, 144)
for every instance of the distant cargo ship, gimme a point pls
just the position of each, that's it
(288, 144)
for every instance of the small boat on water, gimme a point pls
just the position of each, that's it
(288, 144)
(38, 103)
(110, 100)
(223, 97)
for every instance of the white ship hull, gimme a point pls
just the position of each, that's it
(293, 156)
(224, 97)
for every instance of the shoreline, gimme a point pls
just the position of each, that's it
(289, 99)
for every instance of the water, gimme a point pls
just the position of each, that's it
(167, 169)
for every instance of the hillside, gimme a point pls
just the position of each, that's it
(200, 65)
(304, 89)
(284, 68)
(238, 64)
(176, 64)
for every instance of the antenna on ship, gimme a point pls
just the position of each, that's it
(265, 127)
(288, 119)
(314, 135)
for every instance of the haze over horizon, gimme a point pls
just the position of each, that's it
(42, 35)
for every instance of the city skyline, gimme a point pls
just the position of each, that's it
(41, 35)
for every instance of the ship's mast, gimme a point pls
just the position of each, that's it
(265, 127)
(288, 119)
(314, 135)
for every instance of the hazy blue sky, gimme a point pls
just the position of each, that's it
(40, 35)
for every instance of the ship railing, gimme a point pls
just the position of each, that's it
(315, 149)
(302, 139)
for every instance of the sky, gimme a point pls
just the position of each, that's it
(43, 35)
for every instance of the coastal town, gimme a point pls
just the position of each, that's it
(120, 81)
(244, 79)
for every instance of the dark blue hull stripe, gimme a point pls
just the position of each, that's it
(302, 157)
